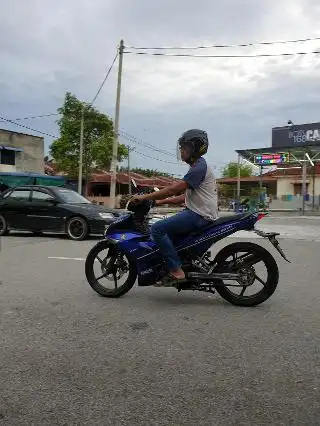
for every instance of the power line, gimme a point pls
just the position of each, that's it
(105, 79)
(27, 127)
(158, 159)
(316, 52)
(124, 134)
(262, 43)
(146, 145)
(134, 139)
(35, 116)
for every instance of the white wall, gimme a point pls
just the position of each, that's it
(284, 187)
(316, 186)
(32, 158)
(7, 169)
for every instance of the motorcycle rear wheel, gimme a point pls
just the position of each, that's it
(269, 286)
(109, 267)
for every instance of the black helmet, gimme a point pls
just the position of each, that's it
(197, 140)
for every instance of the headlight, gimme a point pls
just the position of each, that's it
(106, 215)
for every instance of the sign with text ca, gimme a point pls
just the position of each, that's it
(296, 135)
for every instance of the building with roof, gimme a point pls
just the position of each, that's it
(295, 152)
(282, 183)
(98, 187)
(100, 182)
(20, 152)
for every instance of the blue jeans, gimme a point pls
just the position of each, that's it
(181, 223)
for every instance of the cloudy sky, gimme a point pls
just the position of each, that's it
(49, 47)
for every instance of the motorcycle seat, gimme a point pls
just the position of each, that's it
(222, 220)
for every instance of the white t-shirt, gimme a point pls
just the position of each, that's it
(201, 195)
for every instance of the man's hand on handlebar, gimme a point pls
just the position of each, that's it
(140, 205)
(137, 199)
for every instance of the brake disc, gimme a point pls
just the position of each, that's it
(247, 276)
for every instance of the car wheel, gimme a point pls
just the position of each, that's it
(3, 226)
(77, 228)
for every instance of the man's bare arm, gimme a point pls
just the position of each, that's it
(172, 200)
(169, 191)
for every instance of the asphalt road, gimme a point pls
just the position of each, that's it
(155, 356)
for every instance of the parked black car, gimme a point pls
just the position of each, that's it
(52, 209)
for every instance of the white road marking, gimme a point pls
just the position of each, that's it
(293, 217)
(66, 258)
(81, 259)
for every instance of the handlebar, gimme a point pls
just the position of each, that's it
(141, 209)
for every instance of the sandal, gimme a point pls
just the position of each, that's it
(169, 281)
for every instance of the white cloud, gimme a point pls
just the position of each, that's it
(53, 46)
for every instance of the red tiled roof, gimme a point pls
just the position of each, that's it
(123, 178)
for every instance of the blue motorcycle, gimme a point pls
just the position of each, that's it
(130, 253)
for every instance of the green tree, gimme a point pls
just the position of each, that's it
(231, 170)
(97, 139)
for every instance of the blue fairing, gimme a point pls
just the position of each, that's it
(145, 254)
(217, 232)
(131, 242)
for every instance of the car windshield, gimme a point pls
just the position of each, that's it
(72, 197)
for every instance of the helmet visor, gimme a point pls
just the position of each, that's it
(185, 150)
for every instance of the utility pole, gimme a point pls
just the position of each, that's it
(81, 152)
(129, 170)
(260, 177)
(261, 199)
(313, 187)
(116, 132)
(304, 184)
(238, 178)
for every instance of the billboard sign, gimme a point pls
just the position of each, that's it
(296, 135)
(271, 159)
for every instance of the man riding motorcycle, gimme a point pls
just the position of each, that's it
(198, 190)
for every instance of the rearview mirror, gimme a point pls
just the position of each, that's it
(134, 183)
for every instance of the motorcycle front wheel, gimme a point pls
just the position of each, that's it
(105, 265)
(258, 269)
